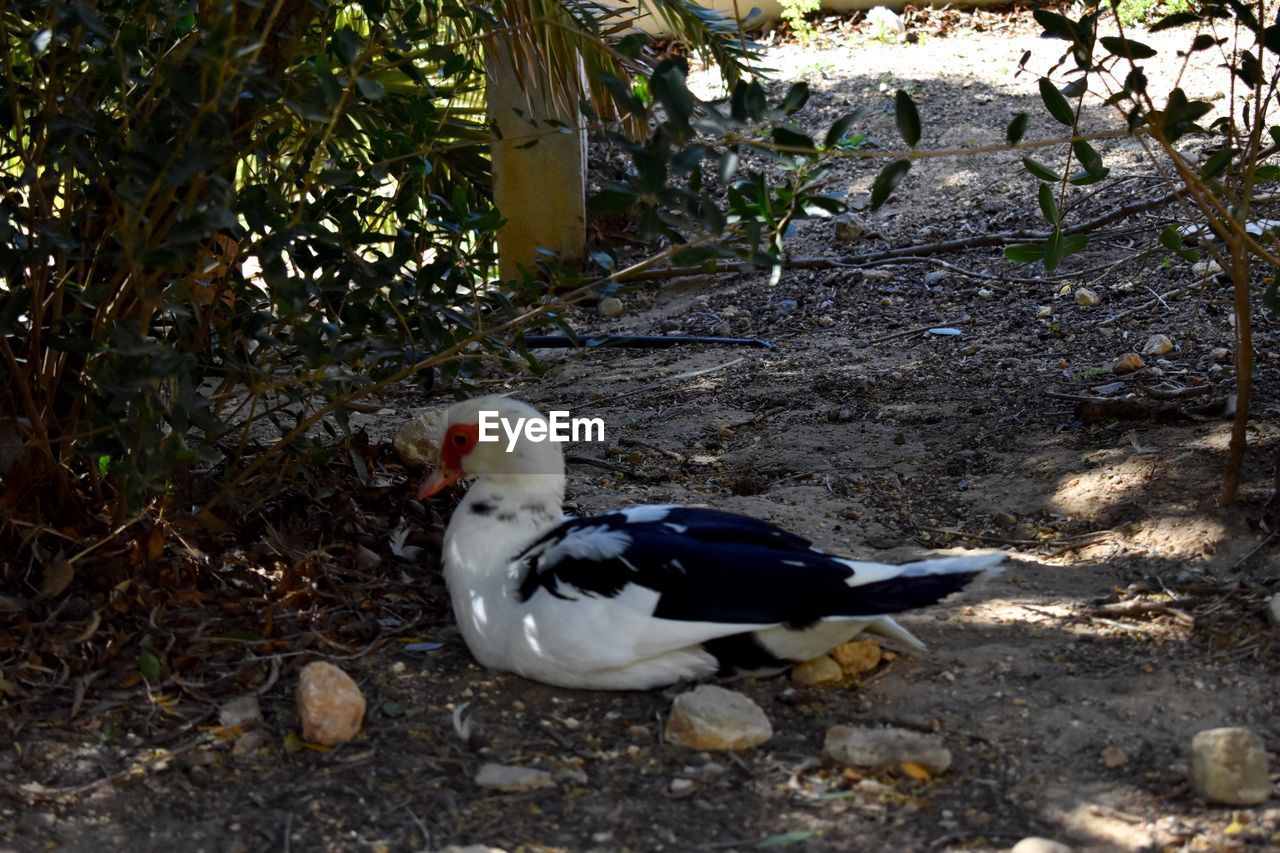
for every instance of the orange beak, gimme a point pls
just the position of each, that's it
(438, 480)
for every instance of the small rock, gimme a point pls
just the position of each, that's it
(877, 747)
(849, 229)
(1229, 766)
(857, 656)
(1127, 363)
(840, 416)
(968, 351)
(669, 325)
(681, 786)
(1044, 312)
(571, 776)
(820, 670)
(1218, 355)
(1273, 609)
(711, 717)
(932, 278)
(886, 302)
(1206, 268)
(728, 312)
(1113, 757)
(471, 848)
(1007, 520)
(724, 432)
(878, 274)
(329, 704)
(611, 306)
(240, 711)
(786, 305)
(418, 441)
(1087, 298)
(639, 732)
(511, 780)
(826, 322)
(250, 742)
(1039, 845)
(1157, 345)
(984, 293)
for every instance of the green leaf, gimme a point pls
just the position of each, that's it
(370, 88)
(1250, 70)
(1055, 103)
(104, 465)
(1055, 25)
(612, 202)
(668, 86)
(887, 181)
(1076, 88)
(1180, 115)
(792, 139)
(840, 128)
(1267, 172)
(347, 45)
(1204, 41)
(1085, 178)
(1177, 19)
(1040, 170)
(1016, 129)
(1024, 253)
(1127, 47)
(1053, 250)
(795, 98)
(786, 839)
(1048, 206)
(1271, 38)
(149, 666)
(1171, 237)
(1217, 163)
(907, 117)
(1088, 157)
(822, 206)
(1073, 244)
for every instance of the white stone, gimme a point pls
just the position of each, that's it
(330, 704)
(1086, 297)
(1039, 845)
(710, 717)
(509, 779)
(1044, 312)
(1273, 609)
(611, 306)
(240, 711)
(984, 293)
(1157, 345)
(418, 441)
(1229, 766)
(878, 747)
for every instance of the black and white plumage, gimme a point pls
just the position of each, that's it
(644, 596)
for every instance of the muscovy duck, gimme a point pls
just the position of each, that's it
(645, 596)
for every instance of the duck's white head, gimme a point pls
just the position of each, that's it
(486, 437)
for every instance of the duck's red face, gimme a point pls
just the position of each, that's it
(459, 440)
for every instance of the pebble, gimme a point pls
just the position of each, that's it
(984, 293)
(418, 441)
(826, 322)
(1044, 312)
(820, 670)
(840, 416)
(932, 278)
(711, 717)
(786, 305)
(1273, 609)
(1113, 757)
(849, 229)
(886, 302)
(1219, 354)
(240, 711)
(1007, 520)
(1128, 363)
(330, 704)
(1229, 766)
(250, 742)
(1039, 845)
(878, 274)
(681, 786)
(878, 747)
(511, 780)
(1157, 345)
(611, 306)
(1206, 268)
(471, 848)
(857, 656)
(669, 325)
(1087, 298)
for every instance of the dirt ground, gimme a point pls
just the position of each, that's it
(1068, 690)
